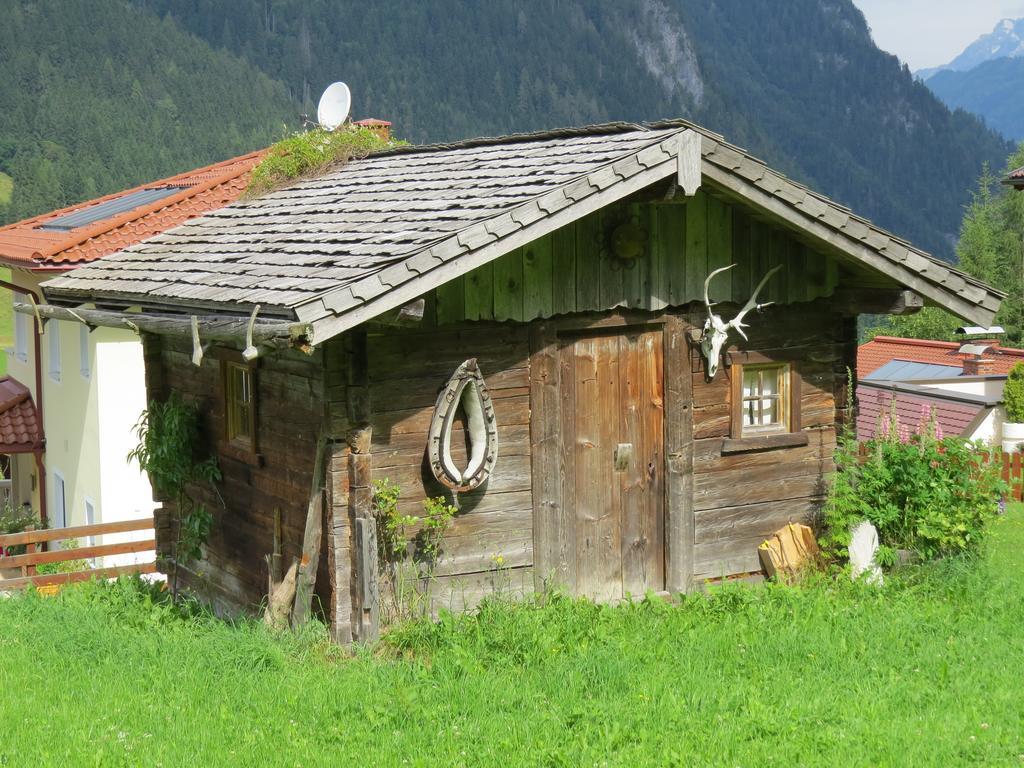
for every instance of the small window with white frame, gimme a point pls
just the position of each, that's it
(59, 501)
(53, 348)
(20, 330)
(90, 519)
(85, 365)
(765, 404)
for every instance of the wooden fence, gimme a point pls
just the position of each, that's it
(34, 555)
(1013, 474)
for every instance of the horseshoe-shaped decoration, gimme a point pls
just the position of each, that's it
(466, 388)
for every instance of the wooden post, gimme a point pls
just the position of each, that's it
(366, 618)
(679, 523)
(280, 595)
(554, 543)
(339, 544)
(275, 557)
(366, 567)
(306, 580)
(365, 598)
(30, 549)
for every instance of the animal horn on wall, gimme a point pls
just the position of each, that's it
(716, 330)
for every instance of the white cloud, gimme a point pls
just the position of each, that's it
(926, 33)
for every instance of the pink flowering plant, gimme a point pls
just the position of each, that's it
(923, 491)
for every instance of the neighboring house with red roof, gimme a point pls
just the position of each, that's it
(962, 383)
(91, 381)
(881, 350)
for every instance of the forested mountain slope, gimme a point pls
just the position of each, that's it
(992, 90)
(96, 96)
(103, 96)
(798, 82)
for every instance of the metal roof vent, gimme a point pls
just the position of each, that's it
(975, 330)
(974, 349)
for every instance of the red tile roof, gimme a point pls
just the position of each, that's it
(952, 416)
(19, 423)
(883, 349)
(25, 245)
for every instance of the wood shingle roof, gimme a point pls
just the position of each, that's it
(378, 232)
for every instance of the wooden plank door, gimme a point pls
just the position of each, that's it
(613, 425)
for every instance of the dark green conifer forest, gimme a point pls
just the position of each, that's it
(105, 93)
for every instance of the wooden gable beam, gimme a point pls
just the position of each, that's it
(845, 246)
(874, 301)
(219, 328)
(486, 241)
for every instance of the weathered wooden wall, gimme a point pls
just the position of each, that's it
(406, 370)
(571, 270)
(290, 396)
(375, 390)
(740, 499)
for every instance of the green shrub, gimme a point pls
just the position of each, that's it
(311, 153)
(14, 520)
(168, 436)
(923, 492)
(1013, 394)
(408, 548)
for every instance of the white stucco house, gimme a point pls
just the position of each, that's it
(73, 396)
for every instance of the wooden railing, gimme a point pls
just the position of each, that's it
(34, 556)
(1013, 474)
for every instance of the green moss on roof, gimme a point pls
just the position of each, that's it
(312, 153)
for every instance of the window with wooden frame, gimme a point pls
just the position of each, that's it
(765, 405)
(764, 399)
(240, 403)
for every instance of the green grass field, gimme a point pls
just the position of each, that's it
(926, 671)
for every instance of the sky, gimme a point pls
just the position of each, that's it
(926, 33)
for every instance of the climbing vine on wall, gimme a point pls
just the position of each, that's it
(168, 433)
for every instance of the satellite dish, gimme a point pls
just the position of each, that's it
(334, 105)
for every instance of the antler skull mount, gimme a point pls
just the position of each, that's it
(716, 330)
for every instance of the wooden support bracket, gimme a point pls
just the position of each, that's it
(306, 580)
(863, 301)
(278, 334)
(408, 315)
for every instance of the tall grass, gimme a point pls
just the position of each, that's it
(925, 671)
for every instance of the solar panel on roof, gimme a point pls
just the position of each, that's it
(906, 370)
(101, 211)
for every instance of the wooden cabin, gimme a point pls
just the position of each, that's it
(571, 265)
